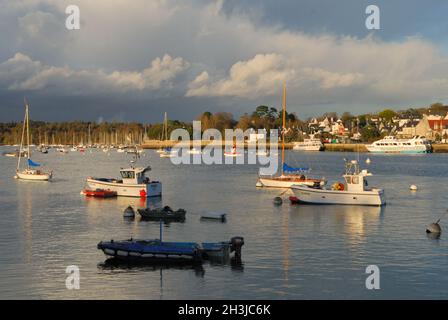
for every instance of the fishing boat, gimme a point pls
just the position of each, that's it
(165, 214)
(29, 173)
(391, 144)
(133, 183)
(99, 193)
(289, 175)
(355, 191)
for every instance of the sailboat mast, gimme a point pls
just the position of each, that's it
(28, 154)
(284, 123)
(21, 141)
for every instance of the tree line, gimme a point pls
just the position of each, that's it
(263, 117)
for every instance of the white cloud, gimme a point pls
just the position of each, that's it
(22, 73)
(228, 55)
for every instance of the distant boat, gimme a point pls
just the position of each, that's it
(29, 173)
(194, 151)
(390, 144)
(312, 144)
(62, 150)
(233, 152)
(165, 152)
(134, 183)
(289, 175)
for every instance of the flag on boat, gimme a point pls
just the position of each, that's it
(287, 168)
(33, 164)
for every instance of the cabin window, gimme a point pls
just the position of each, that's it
(127, 174)
(355, 180)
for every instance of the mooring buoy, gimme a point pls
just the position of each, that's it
(368, 161)
(129, 212)
(434, 228)
(413, 187)
(278, 201)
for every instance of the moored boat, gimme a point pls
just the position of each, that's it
(288, 175)
(99, 193)
(390, 144)
(165, 214)
(133, 183)
(158, 250)
(354, 192)
(29, 173)
(312, 144)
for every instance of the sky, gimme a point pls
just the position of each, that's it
(134, 60)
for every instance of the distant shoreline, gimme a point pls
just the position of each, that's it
(330, 147)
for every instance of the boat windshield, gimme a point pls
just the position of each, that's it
(128, 174)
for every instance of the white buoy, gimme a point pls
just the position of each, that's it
(368, 161)
(413, 187)
(259, 184)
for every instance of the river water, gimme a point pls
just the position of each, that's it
(290, 252)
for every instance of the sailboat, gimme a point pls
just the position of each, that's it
(166, 152)
(289, 175)
(29, 173)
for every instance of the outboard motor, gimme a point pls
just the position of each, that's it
(235, 245)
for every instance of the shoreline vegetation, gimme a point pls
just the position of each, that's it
(366, 127)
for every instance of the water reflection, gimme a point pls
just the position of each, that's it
(119, 265)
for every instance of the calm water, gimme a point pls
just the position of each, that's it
(291, 252)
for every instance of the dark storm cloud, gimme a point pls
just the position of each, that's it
(135, 60)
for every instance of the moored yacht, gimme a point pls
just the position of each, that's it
(133, 183)
(390, 144)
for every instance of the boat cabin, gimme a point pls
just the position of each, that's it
(134, 175)
(355, 180)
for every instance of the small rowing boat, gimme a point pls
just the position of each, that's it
(99, 193)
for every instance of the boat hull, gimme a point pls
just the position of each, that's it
(374, 197)
(284, 183)
(414, 150)
(33, 177)
(152, 189)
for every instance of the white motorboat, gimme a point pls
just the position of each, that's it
(29, 173)
(312, 144)
(288, 176)
(355, 191)
(133, 183)
(391, 144)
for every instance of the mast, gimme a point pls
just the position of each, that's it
(28, 154)
(284, 123)
(21, 141)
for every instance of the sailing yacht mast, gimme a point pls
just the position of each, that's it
(23, 136)
(28, 152)
(283, 126)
